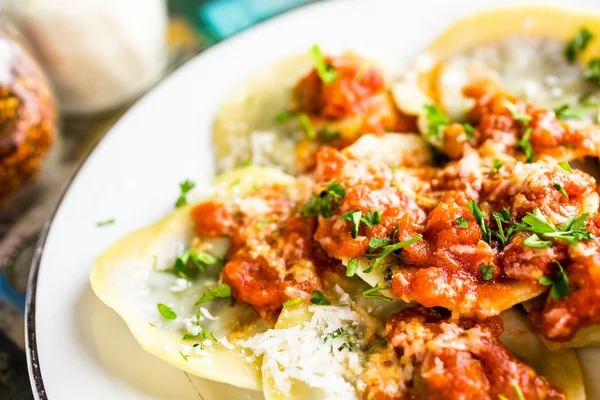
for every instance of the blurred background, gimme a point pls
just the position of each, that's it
(68, 70)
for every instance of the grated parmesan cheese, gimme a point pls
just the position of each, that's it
(301, 353)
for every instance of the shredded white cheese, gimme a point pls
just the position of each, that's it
(301, 353)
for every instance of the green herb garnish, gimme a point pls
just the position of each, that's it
(525, 145)
(106, 223)
(496, 165)
(502, 235)
(589, 100)
(185, 187)
(478, 215)
(319, 299)
(559, 283)
(351, 267)
(326, 72)
(355, 217)
(578, 44)
(469, 130)
(516, 114)
(372, 218)
(387, 249)
(573, 230)
(592, 71)
(221, 291)
(567, 112)
(326, 201)
(535, 242)
(325, 135)
(309, 130)
(191, 257)
(462, 222)
(436, 121)
(371, 293)
(565, 165)
(518, 392)
(166, 311)
(292, 302)
(487, 272)
(561, 189)
(283, 116)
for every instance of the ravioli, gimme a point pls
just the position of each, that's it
(130, 278)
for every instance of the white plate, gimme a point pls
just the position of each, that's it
(77, 347)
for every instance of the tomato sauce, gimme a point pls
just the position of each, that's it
(439, 358)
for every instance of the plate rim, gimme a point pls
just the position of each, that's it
(36, 379)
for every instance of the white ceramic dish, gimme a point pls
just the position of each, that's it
(79, 348)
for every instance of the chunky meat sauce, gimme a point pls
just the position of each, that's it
(495, 123)
(354, 104)
(492, 228)
(273, 256)
(432, 357)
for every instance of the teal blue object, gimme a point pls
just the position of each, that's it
(226, 17)
(219, 19)
(11, 295)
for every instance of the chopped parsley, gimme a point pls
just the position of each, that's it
(469, 130)
(386, 249)
(292, 302)
(571, 232)
(478, 215)
(106, 223)
(487, 272)
(372, 218)
(261, 224)
(436, 121)
(319, 299)
(525, 145)
(325, 135)
(567, 112)
(283, 116)
(372, 293)
(578, 44)
(501, 235)
(516, 114)
(309, 130)
(496, 165)
(592, 71)
(191, 261)
(565, 165)
(221, 291)
(185, 187)
(355, 217)
(338, 332)
(518, 392)
(326, 72)
(462, 222)
(352, 267)
(203, 334)
(524, 119)
(166, 311)
(589, 100)
(559, 283)
(375, 242)
(535, 242)
(561, 189)
(326, 201)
